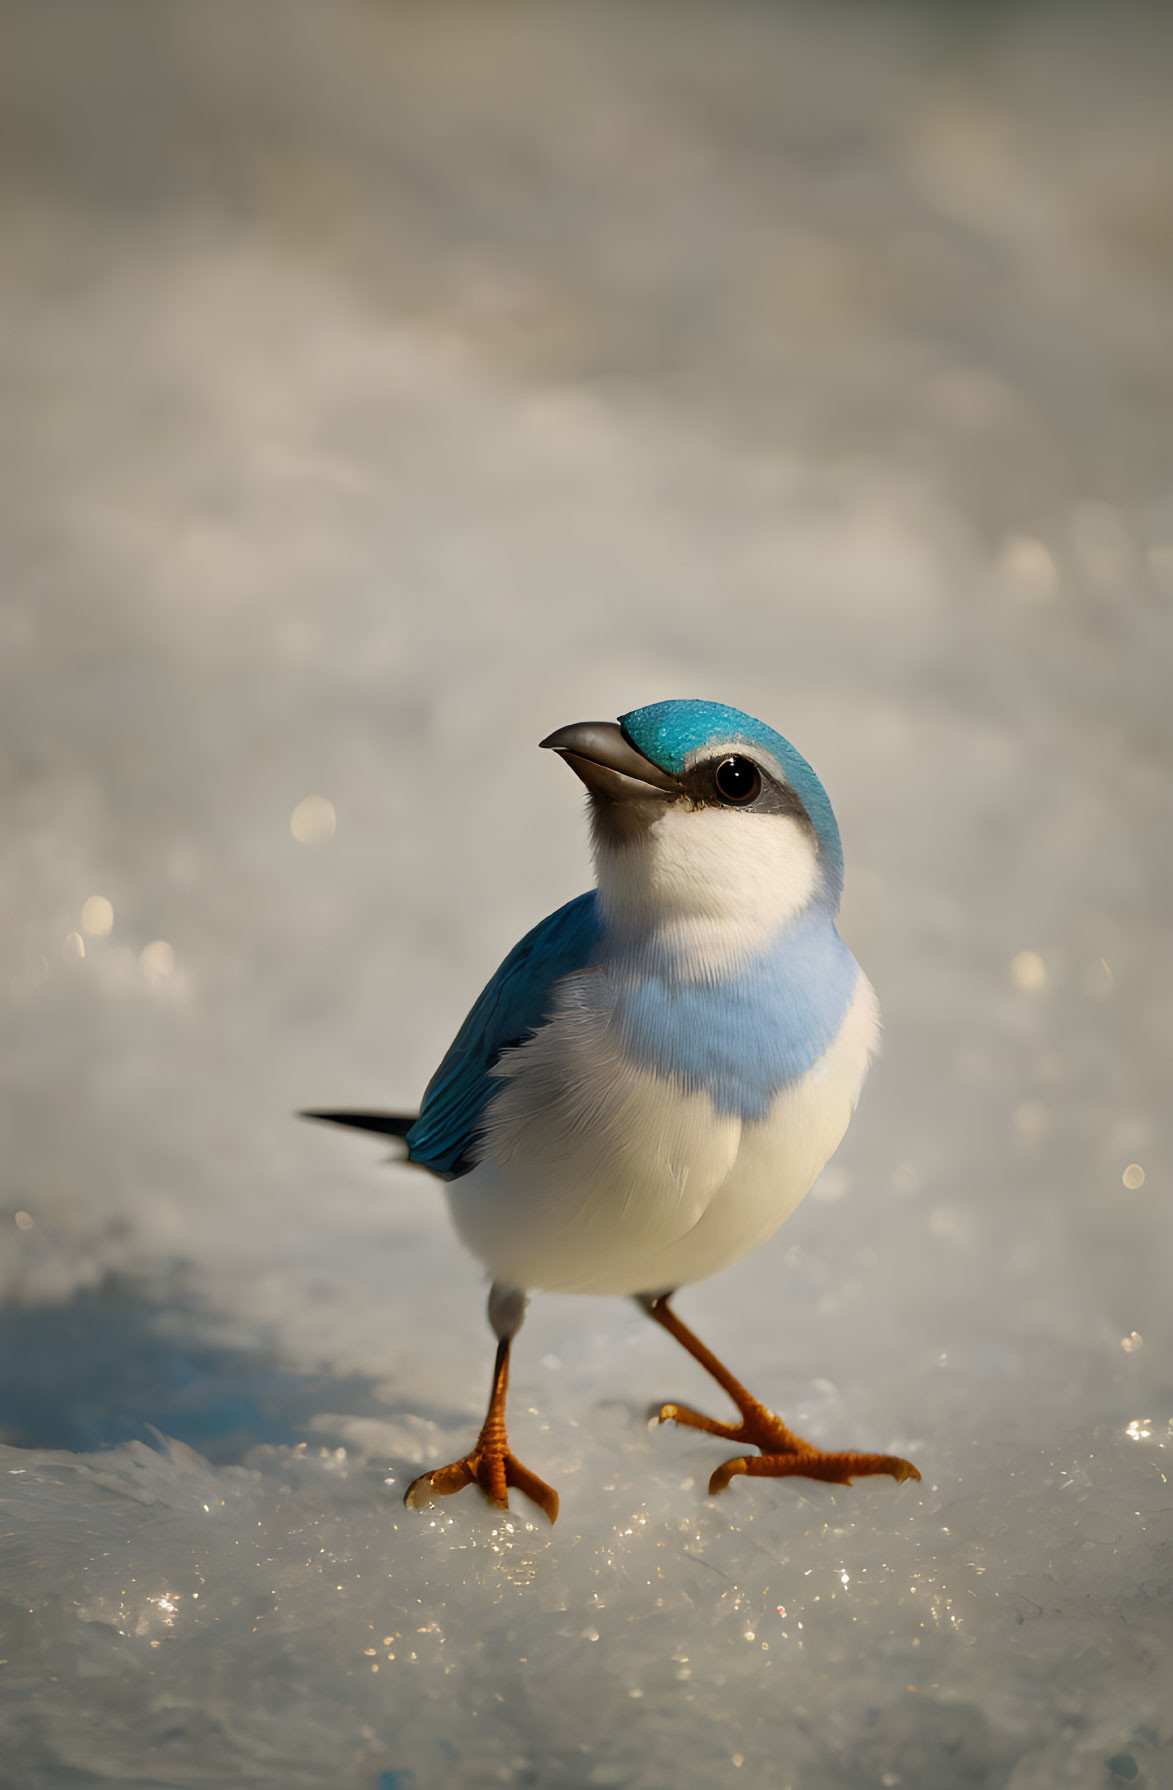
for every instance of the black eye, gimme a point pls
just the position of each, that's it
(737, 780)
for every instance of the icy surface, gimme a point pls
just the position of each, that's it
(385, 387)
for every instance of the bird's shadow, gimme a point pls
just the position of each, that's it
(128, 1356)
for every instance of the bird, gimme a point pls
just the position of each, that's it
(658, 1071)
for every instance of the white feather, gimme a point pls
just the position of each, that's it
(709, 886)
(599, 1177)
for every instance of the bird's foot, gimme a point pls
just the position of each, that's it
(783, 1454)
(811, 1463)
(493, 1468)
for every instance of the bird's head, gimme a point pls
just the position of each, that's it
(709, 827)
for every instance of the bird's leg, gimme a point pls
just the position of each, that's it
(490, 1464)
(783, 1454)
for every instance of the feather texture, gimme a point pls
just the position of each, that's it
(509, 1010)
(598, 1176)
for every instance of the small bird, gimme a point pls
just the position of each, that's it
(655, 1075)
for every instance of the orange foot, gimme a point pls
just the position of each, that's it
(783, 1454)
(494, 1469)
(490, 1465)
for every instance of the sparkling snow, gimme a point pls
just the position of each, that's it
(386, 386)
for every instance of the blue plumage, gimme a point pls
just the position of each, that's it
(741, 1039)
(509, 1010)
(744, 1038)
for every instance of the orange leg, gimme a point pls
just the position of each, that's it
(490, 1465)
(783, 1454)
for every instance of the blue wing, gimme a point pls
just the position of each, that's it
(511, 1008)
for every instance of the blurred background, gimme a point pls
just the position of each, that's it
(385, 385)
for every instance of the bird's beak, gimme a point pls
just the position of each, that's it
(609, 765)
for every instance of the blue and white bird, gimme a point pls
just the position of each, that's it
(655, 1075)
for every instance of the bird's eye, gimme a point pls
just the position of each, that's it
(737, 780)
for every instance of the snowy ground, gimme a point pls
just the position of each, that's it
(385, 387)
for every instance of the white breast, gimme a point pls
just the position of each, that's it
(598, 1177)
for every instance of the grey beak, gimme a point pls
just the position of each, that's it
(608, 764)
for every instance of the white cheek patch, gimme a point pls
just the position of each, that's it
(711, 885)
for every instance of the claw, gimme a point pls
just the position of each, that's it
(783, 1454)
(721, 1475)
(812, 1463)
(440, 1482)
(492, 1472)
